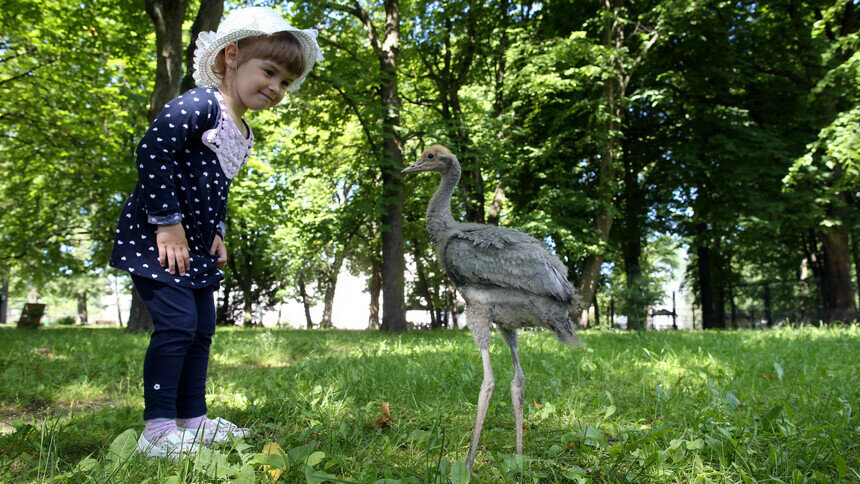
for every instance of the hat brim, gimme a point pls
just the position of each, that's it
(209, 44)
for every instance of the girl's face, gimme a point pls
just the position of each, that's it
(261, 84)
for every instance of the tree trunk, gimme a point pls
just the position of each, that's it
(836, 281)
(674, 312)
(374, 289)
(393, 308)
(768, 314)
(633, 206)
(719, 274)
(208, 18)
(167, 16)
(855, 253)
(591, 269)
(705, 294)
(386, 47)
(495, 210)
(732, 321)
(248, 311)
(309, 323)
(500, 105)
(451, 299)
(424, 288)
(222, 316)
(83, 317)
(473, 180)
(330, 286)
(4, 301)
(611, 312)
(138, 316)
(612, 91)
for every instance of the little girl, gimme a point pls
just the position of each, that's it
(170, 236)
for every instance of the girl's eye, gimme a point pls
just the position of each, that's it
(268, 72)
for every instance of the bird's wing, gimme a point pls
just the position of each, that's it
(503, 257)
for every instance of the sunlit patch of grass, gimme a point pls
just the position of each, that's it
(770, 406)
(80, 390)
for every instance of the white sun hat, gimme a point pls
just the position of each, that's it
(250, 22)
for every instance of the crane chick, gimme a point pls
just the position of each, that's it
(506, 277)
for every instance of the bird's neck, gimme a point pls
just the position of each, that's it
(439, 218)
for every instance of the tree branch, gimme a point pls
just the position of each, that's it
(465, 61)
(354, 107)
(340, 47)
(361, 14)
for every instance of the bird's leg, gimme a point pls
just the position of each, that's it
(479, 325)
(518, 385)
(484, 397)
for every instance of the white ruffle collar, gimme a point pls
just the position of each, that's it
(228, 143)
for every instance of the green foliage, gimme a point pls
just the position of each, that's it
(72, 92)
(642, 407)
(551, 185)
(738, 122)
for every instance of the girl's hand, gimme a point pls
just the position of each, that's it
(173, 248)
(219, 248)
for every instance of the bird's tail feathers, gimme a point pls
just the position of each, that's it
(564, 332)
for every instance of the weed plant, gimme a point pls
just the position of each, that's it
(752, 406)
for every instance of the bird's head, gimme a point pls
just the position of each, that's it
(435, 158)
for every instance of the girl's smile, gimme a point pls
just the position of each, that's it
(261, 84)
(257, 84)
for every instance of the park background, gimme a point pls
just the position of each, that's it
(703, 148)
(710, 144)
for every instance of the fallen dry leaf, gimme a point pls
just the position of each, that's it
(43, 352)
(537, 405)
(768, 377)
(385, 419)
(273, 448)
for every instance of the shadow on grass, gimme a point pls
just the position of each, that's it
(296, 387)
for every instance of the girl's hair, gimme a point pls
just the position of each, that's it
(283, 48)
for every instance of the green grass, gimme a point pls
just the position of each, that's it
(753, 406)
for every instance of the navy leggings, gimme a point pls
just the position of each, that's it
(174, 369)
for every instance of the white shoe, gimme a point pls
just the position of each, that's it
(212, 431)
(175, 446)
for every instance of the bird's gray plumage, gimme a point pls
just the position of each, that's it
(497, 256)
(506, 277)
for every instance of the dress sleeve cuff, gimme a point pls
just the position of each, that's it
(221, 230)
(166, 219)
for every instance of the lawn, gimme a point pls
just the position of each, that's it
(751, 406)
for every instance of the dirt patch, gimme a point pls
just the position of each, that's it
(40, 410)
(252, 365)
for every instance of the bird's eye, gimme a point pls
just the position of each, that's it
(430, 156)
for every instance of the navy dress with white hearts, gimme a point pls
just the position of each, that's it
(185, 164)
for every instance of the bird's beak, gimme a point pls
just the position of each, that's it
(417, 166)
